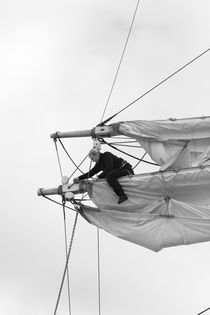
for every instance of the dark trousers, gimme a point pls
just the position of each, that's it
(112, 179)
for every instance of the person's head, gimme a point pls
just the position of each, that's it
(94, 155)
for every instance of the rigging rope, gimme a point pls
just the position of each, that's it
(58, 203)
(204, 311)
(77, 167)
(124, 145)
(59, 162)
(65, 229)
(154, 87)
(66, 265)
(120, 62)
(99, 272)
(98, 259)
(139, 159)
(66, 249)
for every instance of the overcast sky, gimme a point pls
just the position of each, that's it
(58, 60)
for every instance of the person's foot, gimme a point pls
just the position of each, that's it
(122, 198)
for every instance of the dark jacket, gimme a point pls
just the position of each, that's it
(106, 163)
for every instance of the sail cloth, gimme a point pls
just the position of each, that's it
(172, 144)
(163, 209)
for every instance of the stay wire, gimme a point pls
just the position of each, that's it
(154, 87)
(120, 62)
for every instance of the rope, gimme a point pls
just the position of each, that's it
(59, 162)
(120, 62)
(204, 311)
(78, 167)
(99, 272)
(58, 203)
(125, 145)
(66, 265)
(98, 259)
(65, 230)
(128, 153)
(67, 258)
(141, 160)
(68, 154)
(65, 236)
(157, 85)
(123, 142)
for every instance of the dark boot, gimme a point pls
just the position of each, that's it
(122, 198)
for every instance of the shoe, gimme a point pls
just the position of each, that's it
(122, 198)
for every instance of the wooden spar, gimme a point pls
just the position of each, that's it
(72, 134)
(62, 189)
(48, 191)
(97, 132)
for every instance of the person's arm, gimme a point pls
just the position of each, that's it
(108, 164)
(91, 173)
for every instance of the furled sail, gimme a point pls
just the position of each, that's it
(172, 144)
(163, 209)
(167, 208)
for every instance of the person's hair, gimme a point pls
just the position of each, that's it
(93, 151)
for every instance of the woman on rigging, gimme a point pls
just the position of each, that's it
(112, 168)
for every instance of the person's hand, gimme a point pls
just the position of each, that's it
(76, 180)
(95, 179)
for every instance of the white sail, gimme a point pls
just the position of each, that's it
(167, 208)
(163, 209)
(172, 144)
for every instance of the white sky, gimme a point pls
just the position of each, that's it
(57, 61)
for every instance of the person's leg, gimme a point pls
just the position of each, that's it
(112, 179)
